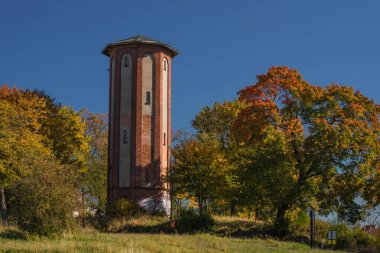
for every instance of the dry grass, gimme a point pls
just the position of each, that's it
(90, 240)
(231, 219)
(141, 222)
(138, 243)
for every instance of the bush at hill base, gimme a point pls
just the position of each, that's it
(192, 222)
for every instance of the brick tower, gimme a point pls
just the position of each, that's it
(139, 121)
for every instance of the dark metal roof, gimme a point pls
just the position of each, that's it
(138, 39)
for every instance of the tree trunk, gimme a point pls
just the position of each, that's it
(3, 205)
(200, 206)
(179, 203)
(281, 225)
(83, 213)
(233, 208)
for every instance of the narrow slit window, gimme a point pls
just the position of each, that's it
(126, 62)
(165, 65)
(147, 98)
(125, 137)
(164, 139)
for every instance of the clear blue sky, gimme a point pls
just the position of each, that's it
(55, 45)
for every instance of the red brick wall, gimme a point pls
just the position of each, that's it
(141, 153)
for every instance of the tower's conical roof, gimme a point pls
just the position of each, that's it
(138, 39)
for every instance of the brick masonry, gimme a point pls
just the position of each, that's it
(145, 162)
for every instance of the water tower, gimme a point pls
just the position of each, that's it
(139, 120)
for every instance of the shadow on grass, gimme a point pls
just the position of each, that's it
(238, 229)
(247, 229)
(243, 229)
(146, 229)
(13, 234)
(231, 228)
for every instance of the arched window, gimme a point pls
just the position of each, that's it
(125, 120)
(148, 87)
(148, 84)
(164, 119)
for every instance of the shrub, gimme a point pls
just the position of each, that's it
(124, 208)
(43, 201)
(282, 230)
(300, 222)
(358, 240)
(355, 239)
(191, 222)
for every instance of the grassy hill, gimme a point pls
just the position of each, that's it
(144, 235)
(136, 243)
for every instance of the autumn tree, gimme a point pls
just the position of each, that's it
(95, 177)
(216, 122)
(20, 140)
(61, 127)
(79, 139)
(41, 144)
(372, 189)
(306, 146)
(199, 170)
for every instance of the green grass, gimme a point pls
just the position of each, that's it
(136, 243)
(120, 239)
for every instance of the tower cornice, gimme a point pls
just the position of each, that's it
(138, 39)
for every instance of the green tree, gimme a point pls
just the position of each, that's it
(66, 134)
(199, 169)
(216, 122)
(95, 178)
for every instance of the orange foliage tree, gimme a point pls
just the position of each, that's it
(306, 146)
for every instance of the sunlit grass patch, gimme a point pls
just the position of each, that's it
(90, 240)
